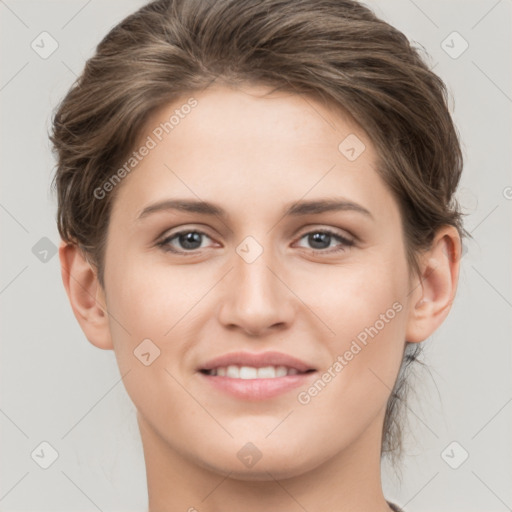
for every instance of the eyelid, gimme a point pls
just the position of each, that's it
(329, 229)
(170, 232)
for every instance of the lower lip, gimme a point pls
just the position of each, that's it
(257, 389)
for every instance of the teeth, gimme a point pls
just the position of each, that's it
(249, 372)
(233, 372)
(281, 371)
(266, 372)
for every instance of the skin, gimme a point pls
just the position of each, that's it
(254, 155)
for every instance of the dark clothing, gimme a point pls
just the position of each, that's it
(394, 507)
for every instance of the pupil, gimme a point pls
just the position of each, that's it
(190, 238)
(319, 238)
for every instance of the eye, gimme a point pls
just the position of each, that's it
(321, 239)
(188, 240)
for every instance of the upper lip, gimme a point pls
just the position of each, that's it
(256, 360)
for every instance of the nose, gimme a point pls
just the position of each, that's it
(256, 299)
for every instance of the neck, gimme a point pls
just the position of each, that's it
(349, 481)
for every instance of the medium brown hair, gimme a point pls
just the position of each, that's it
(337, 50)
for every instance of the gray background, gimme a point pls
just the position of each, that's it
(56, 387)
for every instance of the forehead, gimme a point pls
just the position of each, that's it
(245, 146)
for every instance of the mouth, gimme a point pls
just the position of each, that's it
(255, 376)
(252, 372)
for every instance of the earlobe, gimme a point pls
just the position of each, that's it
(85, 295)
(435, 289)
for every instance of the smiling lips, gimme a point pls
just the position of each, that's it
(255, 376)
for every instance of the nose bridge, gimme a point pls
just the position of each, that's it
(254, 279)
(256, 299)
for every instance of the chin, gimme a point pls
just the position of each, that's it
(279, 466)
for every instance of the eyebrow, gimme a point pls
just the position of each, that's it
(296, 209)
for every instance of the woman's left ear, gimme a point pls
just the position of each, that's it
(434, 290)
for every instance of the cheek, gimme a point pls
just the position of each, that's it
(148, 298)
(160, 303)
(365, 353)
(354, 297)
(147, 305)
(364, 307)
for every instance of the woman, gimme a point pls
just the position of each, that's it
(256, 211)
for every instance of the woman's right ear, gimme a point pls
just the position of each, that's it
(85, 295)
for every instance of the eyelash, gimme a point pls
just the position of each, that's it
(345, 242)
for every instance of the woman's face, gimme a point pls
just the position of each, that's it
(277, 274)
